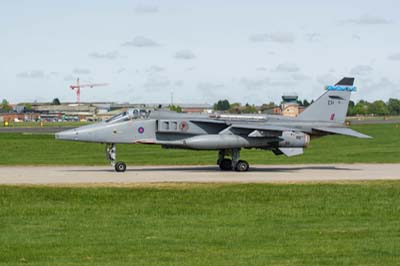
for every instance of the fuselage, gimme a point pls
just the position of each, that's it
(192, 131)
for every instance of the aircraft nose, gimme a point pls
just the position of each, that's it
(71, 134)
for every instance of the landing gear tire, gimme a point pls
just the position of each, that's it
(120, 167)
(225, 165)
(242, 166)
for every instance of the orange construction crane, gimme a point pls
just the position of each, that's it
(78, 87)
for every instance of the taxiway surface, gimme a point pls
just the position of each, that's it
(75, 175)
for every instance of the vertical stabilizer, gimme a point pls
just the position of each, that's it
(332, 105)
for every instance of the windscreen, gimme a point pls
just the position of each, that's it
(128, 115)
(118, 117)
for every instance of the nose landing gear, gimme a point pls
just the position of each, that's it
(111, 155)
(120, 167)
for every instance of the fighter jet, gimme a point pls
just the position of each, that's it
(225, 133)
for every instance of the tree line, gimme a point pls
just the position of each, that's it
(362, 107)
(391, 107)
(5, 106)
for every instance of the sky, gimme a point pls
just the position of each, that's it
(197, 51)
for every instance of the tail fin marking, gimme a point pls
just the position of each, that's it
(332, 105)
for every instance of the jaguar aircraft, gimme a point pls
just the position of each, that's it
(226, 133)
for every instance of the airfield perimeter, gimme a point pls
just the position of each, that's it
(99, 175)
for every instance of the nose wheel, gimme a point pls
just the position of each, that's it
(111, 155)
(120, 167)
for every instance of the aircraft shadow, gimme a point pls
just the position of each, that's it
(216, 169)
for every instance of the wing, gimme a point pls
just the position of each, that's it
(255, 130)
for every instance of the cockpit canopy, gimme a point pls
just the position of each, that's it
(131, 114)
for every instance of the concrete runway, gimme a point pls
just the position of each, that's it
(100, 175)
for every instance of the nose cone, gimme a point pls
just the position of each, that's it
(71, 134)
(89, 133)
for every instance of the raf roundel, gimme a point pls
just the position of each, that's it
(183, 126)
(140, 130)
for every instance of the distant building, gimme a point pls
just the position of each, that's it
(288, 107)
(196, 108)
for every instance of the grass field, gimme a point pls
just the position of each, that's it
(22, 149)
(45, 124)
(320, 224)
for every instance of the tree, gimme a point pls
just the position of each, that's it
(5, 106)
(394, 106)
(28, 107)
(235, 108)
(378, 108)
(222, 105)
(175, 108)
(249, 109)
(267, 106)
(56, 101)
(361, 108)
(351, 111)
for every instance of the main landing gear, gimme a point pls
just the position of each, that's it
(234, 163)
(111, 155)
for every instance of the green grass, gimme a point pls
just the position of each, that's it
(45, 124)
(320, 224)
(23, 149)
(388, 117)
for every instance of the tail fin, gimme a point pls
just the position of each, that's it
(332, 105)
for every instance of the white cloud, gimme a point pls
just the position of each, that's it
(394, 57)
(154, 69)
(368, 20)
(258, 84)
(370, 89)
(254, 84)
(286, 68)
(361, 70)
(327, 79)
(141, 41)
(207, 86)
(145, 9)
(81, 71)
(211, 91)
(120, 70)
(300, 77)
(185, 55)
(34, 74)
(70, 78)
(179, 83)
(156, 83)
(278, 37)
(109, 55)
(261, 69)
(313, 37)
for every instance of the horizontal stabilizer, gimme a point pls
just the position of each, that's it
(343, 131)
(289, 152)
